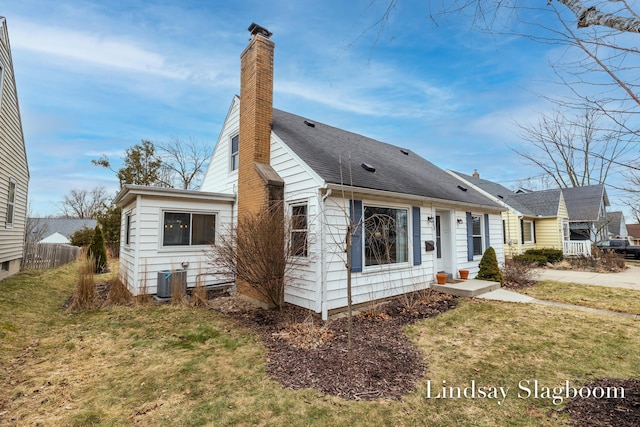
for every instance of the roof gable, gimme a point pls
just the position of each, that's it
(584, 203)
(346, 158)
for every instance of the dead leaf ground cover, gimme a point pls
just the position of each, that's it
(175, 365)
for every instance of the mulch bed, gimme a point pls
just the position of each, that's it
(589, 412)
(305, 352)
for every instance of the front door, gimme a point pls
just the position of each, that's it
(443, 241)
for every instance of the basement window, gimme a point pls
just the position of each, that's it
(188, 229)
(234, 152)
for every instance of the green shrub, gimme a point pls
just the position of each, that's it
(527, 258)
(98, 251)
(550, 255)
(82, 237)
(489, 269)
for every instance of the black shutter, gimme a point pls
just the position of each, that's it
(356, 242)
(417, 247)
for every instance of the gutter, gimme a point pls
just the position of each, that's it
(410, 197)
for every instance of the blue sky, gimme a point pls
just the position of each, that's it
(97, 77)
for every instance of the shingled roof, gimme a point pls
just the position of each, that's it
(534, 204)
(368, 163)
(583, 203)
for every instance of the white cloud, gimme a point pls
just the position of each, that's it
(97, 49)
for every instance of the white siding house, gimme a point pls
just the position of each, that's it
(14, 170)
(166, 229)
(409, 218)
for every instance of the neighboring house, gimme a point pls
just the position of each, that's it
(56, 230)
(14, 170)
(533, 219)
(587, 207)
(326, 177)
(616, 224)
(634, 232)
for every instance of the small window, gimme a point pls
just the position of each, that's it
(234, 153)
(527, 231)
(127, 239)
(298, 246)
(4, 266)
(11, 202)
(187, 229)
(476, 222)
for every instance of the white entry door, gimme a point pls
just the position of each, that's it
(443, 241)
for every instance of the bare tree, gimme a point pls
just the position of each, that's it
(84, 203)
(183, 162)
(35, 230)
(252, 253)
(575, 151)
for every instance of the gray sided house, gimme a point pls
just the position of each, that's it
(331, 178)
(616, 224)
(14, 170)
(587, 207)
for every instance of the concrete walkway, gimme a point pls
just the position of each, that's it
(628, 279)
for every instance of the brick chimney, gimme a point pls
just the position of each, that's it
(259, 185)
(476, 175)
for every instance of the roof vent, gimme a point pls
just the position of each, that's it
(405, 152)
(368, 167)
(310, 124)
(462, 188)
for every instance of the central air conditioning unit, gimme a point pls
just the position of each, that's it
(168, 279)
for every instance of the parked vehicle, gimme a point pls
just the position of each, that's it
(621, 246)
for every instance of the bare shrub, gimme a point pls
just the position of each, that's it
(260, 252)
(518, 273)
(86, 296)
(143, 297)
(118, 293)
(179, 290)
(306, 334)
(410, 301)
(600, 261)
(199, 295)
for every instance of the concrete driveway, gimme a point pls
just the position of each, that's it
(628, 279)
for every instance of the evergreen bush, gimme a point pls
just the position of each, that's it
(489, 269)
(82, 237)
(550, 255)
(98, 251)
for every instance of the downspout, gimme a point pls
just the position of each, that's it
(323, 255)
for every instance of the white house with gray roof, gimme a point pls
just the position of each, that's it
(331, 177)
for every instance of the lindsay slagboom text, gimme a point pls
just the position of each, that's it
(525, 389)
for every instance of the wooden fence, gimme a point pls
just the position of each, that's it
(48, 255)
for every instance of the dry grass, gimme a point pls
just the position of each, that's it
(85, 296)
(601, 297)
(175, 365)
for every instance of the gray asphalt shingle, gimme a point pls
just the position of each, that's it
(397, 170)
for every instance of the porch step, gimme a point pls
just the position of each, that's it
(466, 288)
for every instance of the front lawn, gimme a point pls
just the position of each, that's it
(601, 297)
(175, 365)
